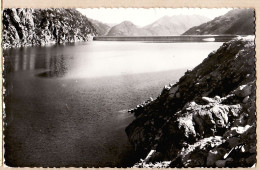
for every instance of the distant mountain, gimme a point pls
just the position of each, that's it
(164, 26)
(237, 21)
(101, 28)
(127, 28)
(175, 25)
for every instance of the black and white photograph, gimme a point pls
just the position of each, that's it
(129, 87)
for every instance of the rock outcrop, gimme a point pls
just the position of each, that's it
(237, 21)
(27, 27)
(207, 119)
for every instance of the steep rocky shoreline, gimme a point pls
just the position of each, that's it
(28, 27)
(235, 22)
(207, 119)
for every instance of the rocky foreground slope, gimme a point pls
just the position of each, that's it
(26, 27)
(207, 119)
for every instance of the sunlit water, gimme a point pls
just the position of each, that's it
(66, 105)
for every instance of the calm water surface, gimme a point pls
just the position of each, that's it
(66, 105)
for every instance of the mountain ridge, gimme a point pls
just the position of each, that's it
(165, 26)
(237, 21)
(101, 28)
(175, 25)
(126, 28)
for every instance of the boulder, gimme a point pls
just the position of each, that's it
(246, 99)
(178, 95)
(251, 159)
(208, 100)
(221, 163)
(217, 99)
(213, 156)
(243, 91)
(189, 156)
(173, 90)
(235, 141)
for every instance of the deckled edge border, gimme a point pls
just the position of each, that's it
(138, 4)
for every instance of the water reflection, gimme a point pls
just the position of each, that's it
(54, 65)
(32, 62)
(16, 62)
(102, 59)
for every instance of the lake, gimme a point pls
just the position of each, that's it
(66, 105)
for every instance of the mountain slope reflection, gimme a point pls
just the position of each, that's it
(57, 67)
(102, 59)
(36, 58)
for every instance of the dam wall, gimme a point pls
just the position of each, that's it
(183, 38)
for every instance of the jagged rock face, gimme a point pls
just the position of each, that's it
(26, 27)
(237, 21)
(206, 118)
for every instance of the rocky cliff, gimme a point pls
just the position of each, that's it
(237, 21)
(207, 119)
(26, 27)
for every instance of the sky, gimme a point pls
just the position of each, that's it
(142, 17)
